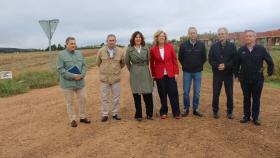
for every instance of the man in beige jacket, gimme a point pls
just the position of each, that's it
(110, 60)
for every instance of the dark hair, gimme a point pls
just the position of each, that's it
(69, 39)
(132, 42)
(246, 31)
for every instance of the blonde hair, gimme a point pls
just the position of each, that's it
(155, 42)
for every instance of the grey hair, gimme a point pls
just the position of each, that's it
(111, 35)
(192, 28)
(69, 39)
(254, 33)
(222, 28)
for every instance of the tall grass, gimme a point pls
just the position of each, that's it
(12, 87)
(41, 79)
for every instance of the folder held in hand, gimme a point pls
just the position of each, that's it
(74, 70)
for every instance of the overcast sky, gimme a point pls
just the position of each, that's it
(91, 20)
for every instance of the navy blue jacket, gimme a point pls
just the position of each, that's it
(250, 64)
(192, 57)
(219, 54)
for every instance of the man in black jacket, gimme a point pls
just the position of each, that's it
(192, 56)
(221, 57)
(250, 70)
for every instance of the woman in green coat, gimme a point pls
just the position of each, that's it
(137, 61)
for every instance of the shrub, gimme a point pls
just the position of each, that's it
(12, 87)
(41, 79)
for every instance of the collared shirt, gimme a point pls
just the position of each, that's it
(251, 48)
(111, 52)
(223, 44)
(193, 43)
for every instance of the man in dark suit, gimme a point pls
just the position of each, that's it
(250, 72)
(221, 57)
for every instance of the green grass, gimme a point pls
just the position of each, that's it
(274, 84)
(34, 80)
(12, 87)
(41, 79)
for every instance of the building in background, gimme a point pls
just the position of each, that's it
(267, 38)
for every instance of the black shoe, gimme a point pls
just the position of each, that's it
(245, 120)
(150, 118)
(216, 115)
(185, 113)
(230, 116)
(74, 123)
(104, 118)
(196, 113)
(85, 120)
(139, 119)
(257, 122)
(117, 117)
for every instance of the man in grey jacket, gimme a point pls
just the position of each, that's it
(72, 70)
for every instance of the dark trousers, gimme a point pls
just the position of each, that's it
(168, 86)
(251, 90)
(148, 99)
(218, 80)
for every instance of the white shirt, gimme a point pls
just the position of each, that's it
(111, 52)
(251, 48)
(161, 50)
(193, 43)
(138, 49)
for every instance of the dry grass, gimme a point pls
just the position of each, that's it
(20, 63)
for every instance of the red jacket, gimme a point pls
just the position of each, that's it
(170, 63)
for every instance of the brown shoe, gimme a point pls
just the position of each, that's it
(117, 117)
(74, 123)
(104, 118)
(85, 120)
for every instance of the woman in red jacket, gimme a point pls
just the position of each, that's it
(164, 67)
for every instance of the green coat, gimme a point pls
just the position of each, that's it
(65, 61)
(138, 65)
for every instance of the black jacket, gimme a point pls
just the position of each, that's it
(192, 57)
(250, 64)
(219, 54)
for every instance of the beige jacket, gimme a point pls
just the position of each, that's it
(110, 68)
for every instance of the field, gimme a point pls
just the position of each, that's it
(21, 63)
(35, 125)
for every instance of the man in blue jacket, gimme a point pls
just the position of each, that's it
(192, 56)
(222, 55)
(250, 71)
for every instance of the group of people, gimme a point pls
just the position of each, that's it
(159, 65)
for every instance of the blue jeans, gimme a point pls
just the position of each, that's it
(187, 80)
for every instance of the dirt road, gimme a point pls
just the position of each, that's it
(35, 125)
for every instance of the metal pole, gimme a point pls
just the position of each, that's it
(50, 50)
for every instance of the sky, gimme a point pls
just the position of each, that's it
(90, 21)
